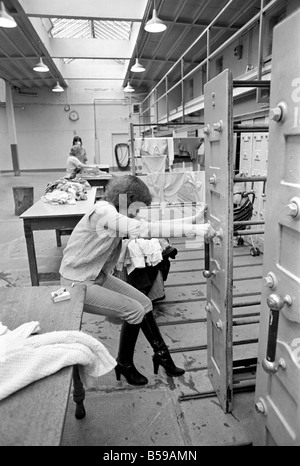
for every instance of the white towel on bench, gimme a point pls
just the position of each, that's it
(25, 359)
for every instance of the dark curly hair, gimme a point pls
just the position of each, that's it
(75, 139)
(128, 190)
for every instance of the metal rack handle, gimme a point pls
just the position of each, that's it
(275, 303)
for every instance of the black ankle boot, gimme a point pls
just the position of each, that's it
(128, 337)
(163, 358)
(161, 355)
(131, 374)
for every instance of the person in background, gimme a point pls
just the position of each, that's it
(92, 253)
(73, 164)
(82, 156)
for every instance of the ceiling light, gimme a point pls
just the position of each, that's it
(129, 88)
(137, 67)
(57, 88)
(6, 21)
(155, 24)
(41, 67)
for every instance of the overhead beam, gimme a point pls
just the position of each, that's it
(199, 24)
(147, 59)
(113, 10)
(90, 48)
(92, 69)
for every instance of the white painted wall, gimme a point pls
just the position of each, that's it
(45, 132)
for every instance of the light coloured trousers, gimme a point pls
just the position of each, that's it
(113, 298)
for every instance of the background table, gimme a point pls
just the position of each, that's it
(35, 414)
(104, 167)
(97, 180)
(45, 216)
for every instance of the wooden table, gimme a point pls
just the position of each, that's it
(44, 216)
(35, 414)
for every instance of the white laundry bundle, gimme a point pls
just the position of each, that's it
(60, 197)
(25, 358)
(143, 252)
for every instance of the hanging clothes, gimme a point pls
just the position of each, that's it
(189, 147)
(147, 265)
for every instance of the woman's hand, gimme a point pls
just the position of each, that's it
(209, 233)
(199, 216)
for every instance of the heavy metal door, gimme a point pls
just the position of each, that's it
(277, 396)
(218, 263)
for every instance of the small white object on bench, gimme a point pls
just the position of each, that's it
(60, 295)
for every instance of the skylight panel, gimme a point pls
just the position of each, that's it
(80, 28)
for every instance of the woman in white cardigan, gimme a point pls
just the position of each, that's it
(90, 257)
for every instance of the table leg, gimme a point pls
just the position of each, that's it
(31, 253)
(78, 394)
(58, 238)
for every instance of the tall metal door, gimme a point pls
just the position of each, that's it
(277, 397)
(219, 198)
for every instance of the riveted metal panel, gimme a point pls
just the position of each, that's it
(277, 396)
(219, 194)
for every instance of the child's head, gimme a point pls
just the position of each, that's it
(77, 141)
(128, 193)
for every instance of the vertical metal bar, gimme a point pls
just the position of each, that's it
(156, 106)
(260, 48)
(12, 129)
(182, 90)
(207, 55)
(167, 99)
(132, 149)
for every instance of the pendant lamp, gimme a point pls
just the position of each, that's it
(137, 67)
(41, 67)
(129, 88)
(6, 21)
(57, 88)
(155, 24)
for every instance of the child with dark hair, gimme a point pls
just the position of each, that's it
(81, 154)
(92, 253)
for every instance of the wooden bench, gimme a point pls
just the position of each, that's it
(35, 415)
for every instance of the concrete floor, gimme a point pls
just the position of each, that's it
(119, 414)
